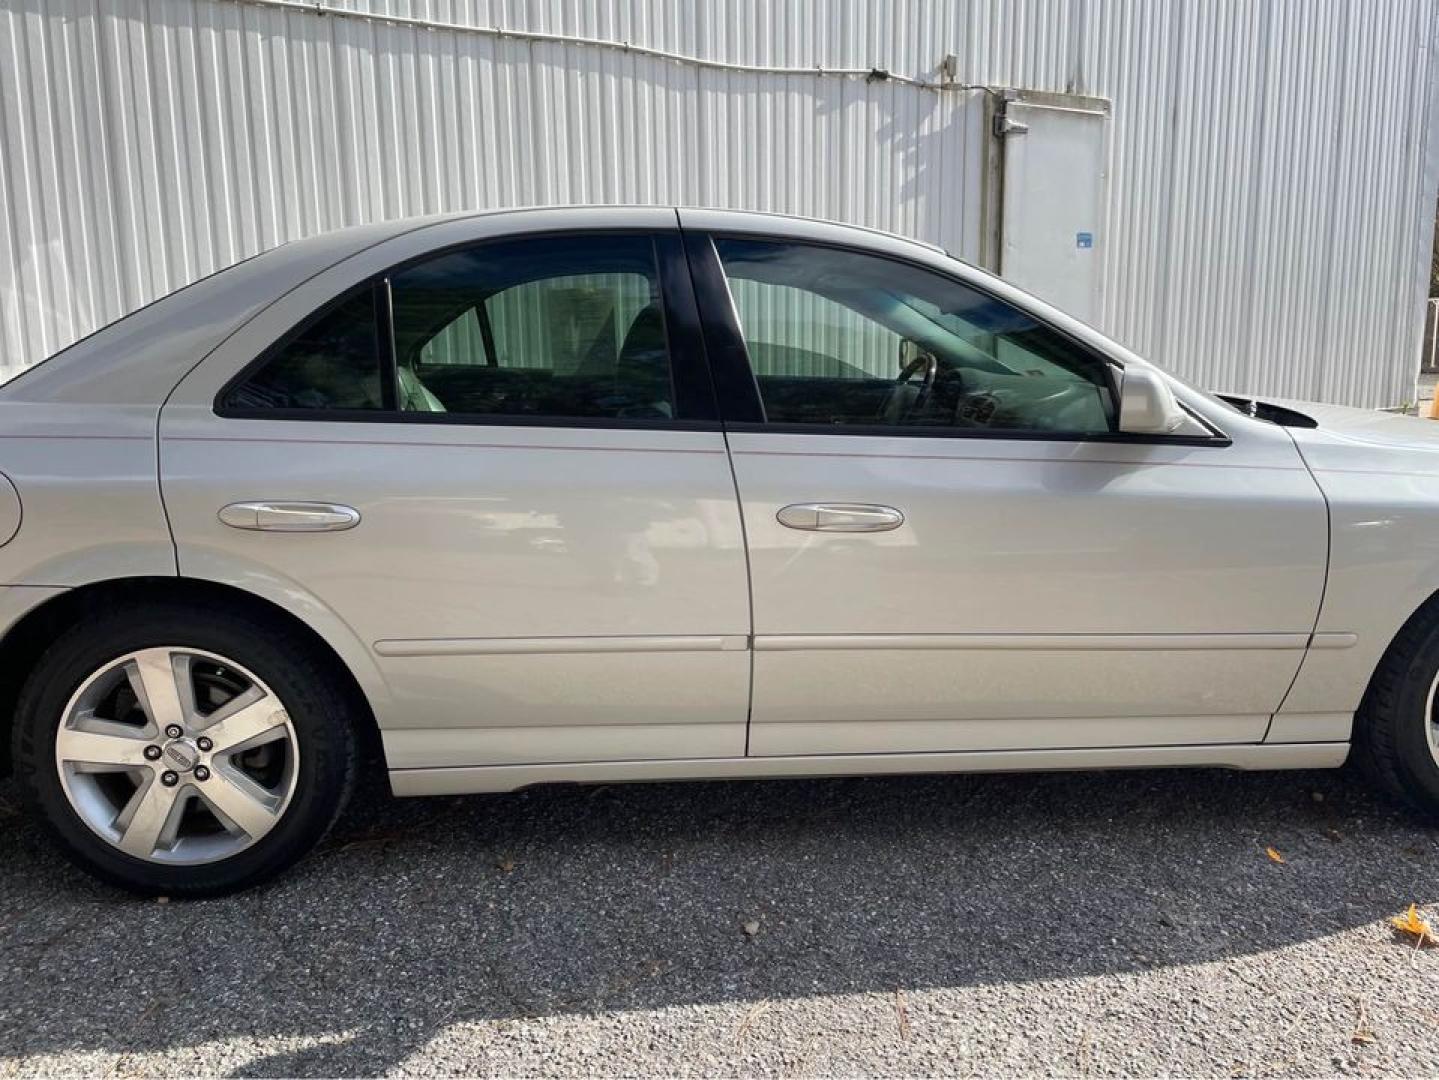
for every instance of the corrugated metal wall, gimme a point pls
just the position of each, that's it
(1272, 186)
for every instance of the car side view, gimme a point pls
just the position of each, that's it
(619, 494)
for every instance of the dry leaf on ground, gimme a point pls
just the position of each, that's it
(1274, 856)
(1414, 924)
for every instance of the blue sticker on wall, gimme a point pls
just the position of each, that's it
(1084, 240)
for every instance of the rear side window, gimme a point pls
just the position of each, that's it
(545, 328)
(558, 327)
(333, 363)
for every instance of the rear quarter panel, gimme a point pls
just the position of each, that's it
(90, 503)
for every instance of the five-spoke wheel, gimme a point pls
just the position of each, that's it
(177, 755)
(183, 751)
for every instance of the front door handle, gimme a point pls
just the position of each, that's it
(290, 516)
(840, 517)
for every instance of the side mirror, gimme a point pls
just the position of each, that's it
(1147, 405)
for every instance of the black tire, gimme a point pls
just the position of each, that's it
(285, 661)
(1391, 735)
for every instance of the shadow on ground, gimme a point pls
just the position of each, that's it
(419, 914)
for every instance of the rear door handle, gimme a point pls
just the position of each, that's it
(840, 517)
(290, 516)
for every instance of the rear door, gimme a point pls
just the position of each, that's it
(951, 548)
(486, 461)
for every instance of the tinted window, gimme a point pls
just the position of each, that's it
(333, 363)
(559, 327)
(841, 338)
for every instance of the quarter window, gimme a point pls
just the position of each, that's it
(333, 363)
(842, 339)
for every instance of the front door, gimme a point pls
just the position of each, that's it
(545, 561)
(951, 549)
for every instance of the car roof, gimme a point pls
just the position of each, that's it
(710, 219)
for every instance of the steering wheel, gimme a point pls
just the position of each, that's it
(930, 363)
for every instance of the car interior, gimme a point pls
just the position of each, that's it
(630, 380)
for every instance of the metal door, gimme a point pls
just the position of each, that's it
(932, 590)
(523, 592)
(1054, 151)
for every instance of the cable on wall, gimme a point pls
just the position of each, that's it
(871, 74)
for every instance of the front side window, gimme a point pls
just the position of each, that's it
(838, 338)
(556, 327)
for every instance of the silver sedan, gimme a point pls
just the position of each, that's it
(628, 494)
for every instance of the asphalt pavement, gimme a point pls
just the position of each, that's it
(1102, 924)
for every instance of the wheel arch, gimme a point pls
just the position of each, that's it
(25, 641)
(1422, 617)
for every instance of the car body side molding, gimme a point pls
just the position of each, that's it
(498, 778)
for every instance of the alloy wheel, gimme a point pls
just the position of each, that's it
(1431, 718)
(176, 755)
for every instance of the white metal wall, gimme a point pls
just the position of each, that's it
(1271, 199)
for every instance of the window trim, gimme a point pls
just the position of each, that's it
(385, 327)
(737, 391)
(1009, 434)
(690, 377)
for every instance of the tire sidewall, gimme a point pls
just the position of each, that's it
(1413, 758)
(325, 744)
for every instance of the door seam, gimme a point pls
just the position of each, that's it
(749, 591)
(734, 477)
(1323, 585)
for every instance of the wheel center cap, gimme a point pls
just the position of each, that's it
(182, 755)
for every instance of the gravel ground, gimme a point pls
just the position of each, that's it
(1106, 924)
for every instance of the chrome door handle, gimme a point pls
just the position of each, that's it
(290, 516)
(840, 517)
